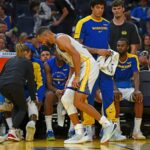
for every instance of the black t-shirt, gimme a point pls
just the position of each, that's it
(60, 4)
(126, 30)
(18, 71)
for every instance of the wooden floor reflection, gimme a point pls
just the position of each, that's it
(59, 145)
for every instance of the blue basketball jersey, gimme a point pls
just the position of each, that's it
(125, 70)
(59, 74)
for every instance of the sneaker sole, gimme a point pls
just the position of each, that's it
(138, 138)
(84, 140)
(30, 133)
(2, 140)
(12, 139)
(117, 140)
(114, 130)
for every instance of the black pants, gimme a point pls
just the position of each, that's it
(15, 93)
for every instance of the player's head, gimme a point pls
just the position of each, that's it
(118, 8)
(122, 46)
(45, 36)
(23, 51)
(97, 7)
(45, 53)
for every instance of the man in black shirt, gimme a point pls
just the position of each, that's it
(66, 20)
(120, 28)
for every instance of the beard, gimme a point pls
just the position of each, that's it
(122, 53)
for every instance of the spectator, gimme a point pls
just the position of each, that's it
(57, 72)
(148, 27)
(119, 27)
(5, 18)
(146, 43)
(3, 26)
(127, 69)
(145, 53)
(66, 20)
(8, 35)
(141, 14)
(41, 13)
(2, 45)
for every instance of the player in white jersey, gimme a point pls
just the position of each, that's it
(83, 74)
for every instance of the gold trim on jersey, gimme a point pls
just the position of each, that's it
(86, 75)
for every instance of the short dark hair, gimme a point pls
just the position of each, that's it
(41, 30)
(96, 2)
(124, 40)
(116, 3)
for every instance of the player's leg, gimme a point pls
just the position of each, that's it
(50, 99)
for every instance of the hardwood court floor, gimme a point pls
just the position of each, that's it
(59, 145)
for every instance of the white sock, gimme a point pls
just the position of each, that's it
(79, 129)
(48, 120)
(33, 122)
(9, 122)
(104, 122)
(118, 124)
(137, 124)
(89, 129)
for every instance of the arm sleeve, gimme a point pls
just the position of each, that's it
(79, 30)
(47, 12)
(30, 81)
(135, 64)
(39, 79)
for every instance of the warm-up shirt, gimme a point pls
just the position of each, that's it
(125, 70)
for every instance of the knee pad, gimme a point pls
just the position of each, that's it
(32, 109)
(68, 100)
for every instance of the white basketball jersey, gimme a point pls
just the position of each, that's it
(84, 54)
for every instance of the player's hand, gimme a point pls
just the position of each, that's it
(59, 92)
(138, 96)
(104, 52)
(117, 95)
(75, 82)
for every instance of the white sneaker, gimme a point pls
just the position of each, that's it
(3, 138)
(138, 136)
(77, 139)
(30, 131)
(89, 133)
(19, 133)
(13, 136)
(108, 132)
(117, 136)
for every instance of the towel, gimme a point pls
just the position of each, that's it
(109, 64)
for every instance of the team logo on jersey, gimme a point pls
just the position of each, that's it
(65, 69)
(124, 32)
(99, 28)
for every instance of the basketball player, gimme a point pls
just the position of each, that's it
(83, 74)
